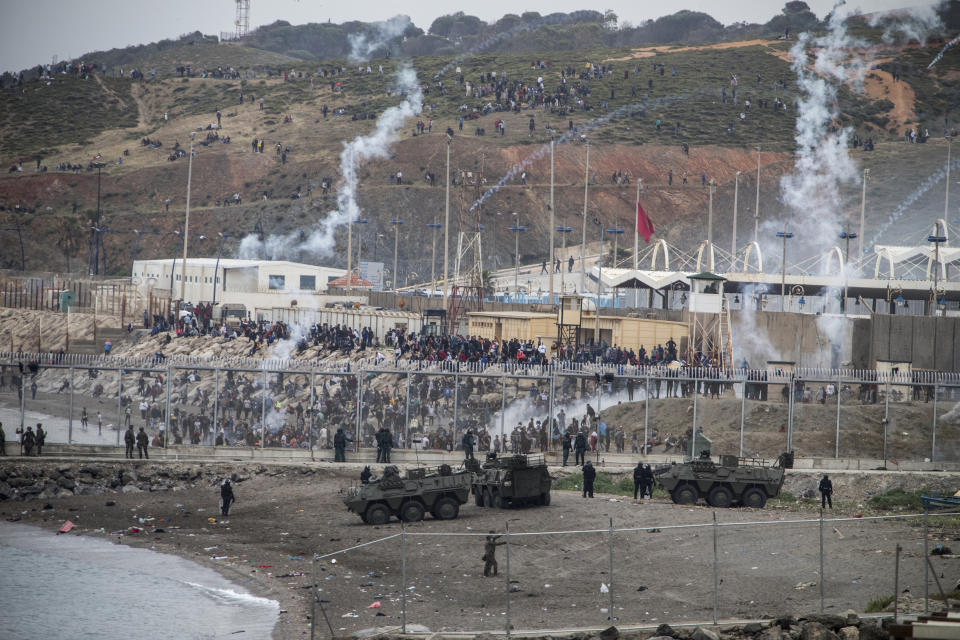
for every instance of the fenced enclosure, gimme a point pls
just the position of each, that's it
(301, 403)
(637, 573)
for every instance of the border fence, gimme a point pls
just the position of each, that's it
(300, 403)
(732, 570)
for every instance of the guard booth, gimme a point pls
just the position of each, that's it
(569, 317)
(434, 322)
(709, 321)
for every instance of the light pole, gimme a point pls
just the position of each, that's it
(936, 240)
(433, 261)
(97, 238)
(517, 229)
(396, 245)
(863, 211)
(552, 217)
(596, 327)
(756, 214)
(617, 232)
(785, 235)
(946, 200)
(712, 185)
(446, 225)
(563, 231)
(583, 237)
(173, 265)
(186, 224)
(360, 242)
(733, 235)
(847, 236)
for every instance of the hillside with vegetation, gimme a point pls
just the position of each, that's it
(626, 85)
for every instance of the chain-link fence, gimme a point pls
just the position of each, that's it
(302, 403)
(636, 573)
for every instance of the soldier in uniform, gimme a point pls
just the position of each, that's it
(142, 442)
(489, 555)
(29, 439)
(41, 438)
(566, 448)
(646, 486)
(468, 445)
(365, 475)
(384, 443)
(589, 475)
(339, 446)
(826, 492)
(637, 480)
(129, 439)
(226, 498)
(580, 448)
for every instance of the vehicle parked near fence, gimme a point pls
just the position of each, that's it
(749, 482)
(440, 491)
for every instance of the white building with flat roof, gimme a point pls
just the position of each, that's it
(255, 284)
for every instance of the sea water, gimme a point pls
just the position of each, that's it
(72, 586)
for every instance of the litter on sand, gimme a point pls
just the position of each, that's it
(66, 527)
(374, 605)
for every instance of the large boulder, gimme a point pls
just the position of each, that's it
(829, 620)
(702, 633)
(812, 630)
(771, 633)
(849, 633)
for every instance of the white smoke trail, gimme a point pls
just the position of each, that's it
(362, 45)
(822, 164)
(943, 51)
(358, 151)
(907, 205)
(751, 342)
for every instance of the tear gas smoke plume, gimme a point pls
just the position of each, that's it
(358, 151)
(822, 163)
(906, 25)
(943, 51)
(363, 45)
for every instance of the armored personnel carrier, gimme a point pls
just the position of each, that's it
(440, 491)
(510, 480)
(745, 481)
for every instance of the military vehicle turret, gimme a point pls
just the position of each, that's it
(745, 481)
(510, 481)
(440, 491)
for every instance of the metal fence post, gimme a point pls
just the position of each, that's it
(456, 401)
(550, 401)
(23, 401)
(403, 576)
(263, 411)
(359, 418)
(119, 403)
(933, 440)
(836, 451)
(743, 411)
(507, 544)
(896, 583)
(313, 400)
(406, 416)
(886, 419)
(503, 411)
(646, 414)
(216, 402)
(70, 414)
(166, 415)
(610, 589)
(790, 392)
(716, 571)
(822, 579)
(926, 567)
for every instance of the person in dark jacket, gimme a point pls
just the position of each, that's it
(589, 475)
(566, 448)
(826, 492)
(468, 445)
(29, 439)
(226, 498)
(142, 442)
(339, 446)
(637, 480)
(129, 439)
(365, 475)
(41, 438)
(646, 486)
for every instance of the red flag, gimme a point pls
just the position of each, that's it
(644, 224)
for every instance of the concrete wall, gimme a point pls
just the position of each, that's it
(808, 340)
(926, 342)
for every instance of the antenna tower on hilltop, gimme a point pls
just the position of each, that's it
(242, 22)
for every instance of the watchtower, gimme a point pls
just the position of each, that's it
(709, 319)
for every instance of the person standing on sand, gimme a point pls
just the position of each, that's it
(84, 419)
(99, 423)
(339, 446)
(226, 498)
(41, 438)
(826, 492)
(589, 475)
(490, 555)
(3, 441)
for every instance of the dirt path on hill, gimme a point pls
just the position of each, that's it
(649, 52)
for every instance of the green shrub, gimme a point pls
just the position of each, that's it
(878, 604)
(896, 499)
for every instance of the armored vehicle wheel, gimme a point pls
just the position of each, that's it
(487, 498)
(754, 498)
(497, 500)
(544, 499)
(686, 494)
(720, 497)
(446, 509)
(478, 498)
(412, 511)
(377, 513)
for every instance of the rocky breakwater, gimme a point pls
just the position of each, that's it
(848, 626)
(50, 480)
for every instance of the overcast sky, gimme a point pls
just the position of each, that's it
(33, 31)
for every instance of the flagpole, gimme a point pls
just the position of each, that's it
(636, 245)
